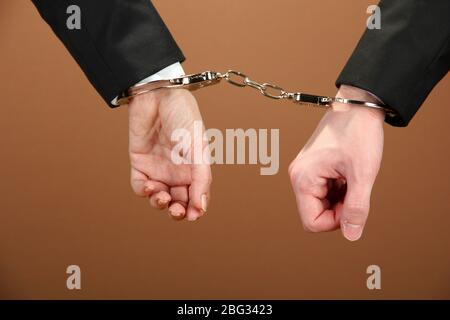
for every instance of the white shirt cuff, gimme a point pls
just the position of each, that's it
(173, 71)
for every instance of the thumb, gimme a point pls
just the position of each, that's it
(199, 191)
(355, 209)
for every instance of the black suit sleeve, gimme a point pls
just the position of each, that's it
(402, 62)
(120, 41)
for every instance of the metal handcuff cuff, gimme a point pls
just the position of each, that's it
(207, 78)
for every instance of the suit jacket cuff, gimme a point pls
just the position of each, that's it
(402, 62)
(120, 42)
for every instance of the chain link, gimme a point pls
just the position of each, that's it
(268, 90)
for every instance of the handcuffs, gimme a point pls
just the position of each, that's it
(208, 78)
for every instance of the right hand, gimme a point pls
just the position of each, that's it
(334, 173)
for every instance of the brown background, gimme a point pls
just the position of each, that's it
(64, 185)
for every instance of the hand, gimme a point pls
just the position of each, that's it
(182, 188)
(333, 174)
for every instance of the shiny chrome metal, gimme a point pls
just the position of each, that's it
(255, 85)
(325, 102)
(191, 82)
(239, 79)
(230, 74)
(266, 93)
(310, 99)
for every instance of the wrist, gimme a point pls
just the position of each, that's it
(145, 104)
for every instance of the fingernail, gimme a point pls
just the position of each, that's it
(351, 231)
(192, 219)
(204, 203)
(148, 189)
(162, 202)
(175, 215)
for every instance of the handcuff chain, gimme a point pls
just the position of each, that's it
(263, 88)
(239, 79)
(273, 91)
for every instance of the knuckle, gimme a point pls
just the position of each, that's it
(291, 168)
(301, 177)
(294, 171)
(358, 207)
(305, 183)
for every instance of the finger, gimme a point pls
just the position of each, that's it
(152, 187)
(180, 194)
(177, 211)
(317, 216)
(193, 214)
(178, 205)
(199, 191)
(311, 189)
(160, 200)
(143, 186)
(355, 209)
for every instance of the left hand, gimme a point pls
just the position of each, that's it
(183, 189)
